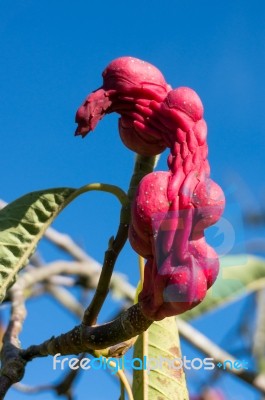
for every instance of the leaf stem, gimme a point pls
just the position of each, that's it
(141, 269)
(103, 187)
(124, 383)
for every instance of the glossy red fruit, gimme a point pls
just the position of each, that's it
(126, 81)
(171, 209)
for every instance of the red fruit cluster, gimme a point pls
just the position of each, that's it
(171, 209)
(126, 81)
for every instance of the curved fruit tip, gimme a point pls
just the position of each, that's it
(95, 106)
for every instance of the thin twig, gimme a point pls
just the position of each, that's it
(65, 386)
(13, 365)
(66, 299)
(124, 381)
(206, 346)
(32, 389)
(143, 166)
(86, 269)
(67, 244)
(62, 280)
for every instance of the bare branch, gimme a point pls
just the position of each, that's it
(67, 244)
(85, 269)
(66, 299)
(206, 346)
(65, 386)
(32, 389)
(84, 338)
(13, 365)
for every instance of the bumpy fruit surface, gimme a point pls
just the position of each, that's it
(171, 209)
(126, 81)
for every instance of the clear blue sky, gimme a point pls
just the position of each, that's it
(52, 55)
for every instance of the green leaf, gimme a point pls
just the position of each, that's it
(22, 224)
(239, 275)
(24, 221)
(259, 334)
(159, 350)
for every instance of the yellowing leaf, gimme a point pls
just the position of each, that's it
(164, 377)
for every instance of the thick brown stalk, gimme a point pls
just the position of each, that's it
(83, 338)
